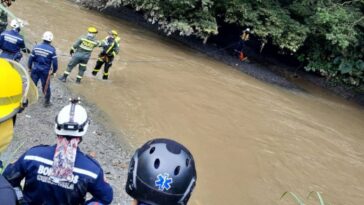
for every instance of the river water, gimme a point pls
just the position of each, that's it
(252, 141)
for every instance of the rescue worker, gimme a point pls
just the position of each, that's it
(242, 44)
(110, 50)
(4, 15)
(41, 60)
(11, 42)
(62, 173)
(161, 172)
(12, 101)
(81, 52)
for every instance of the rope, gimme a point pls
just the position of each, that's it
(131, 61)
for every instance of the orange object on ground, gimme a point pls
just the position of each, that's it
(241, 56)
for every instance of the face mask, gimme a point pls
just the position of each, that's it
(6, 134)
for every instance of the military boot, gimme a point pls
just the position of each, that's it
(105, 77)
(78, 80)
(63, 78)
(47, 103)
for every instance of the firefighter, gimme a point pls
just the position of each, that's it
(43, 63)
(81, 53)
(12, 101)
(161, 172)
(110, 50)
(4, 15)
(62, 173)
(11, 42)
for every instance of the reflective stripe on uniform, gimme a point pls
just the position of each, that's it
(50, 163)
(88, 41)
(111, 47)
(88, 45)
(86, 48)
(44, 50)
(79, 77)
(66, 72)
(10, 99)
(106, 74)
(82, 64)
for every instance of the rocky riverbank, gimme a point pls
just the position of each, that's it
(36, 126)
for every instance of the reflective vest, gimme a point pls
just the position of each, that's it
(86, 44)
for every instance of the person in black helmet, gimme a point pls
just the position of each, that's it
(161, 172)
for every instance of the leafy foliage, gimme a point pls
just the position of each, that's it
(326, 35)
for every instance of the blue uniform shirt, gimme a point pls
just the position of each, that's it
(35, 166)
(7, 194)
(43, 57)
(11, 41)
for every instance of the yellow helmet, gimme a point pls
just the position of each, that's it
(11, 90)
(114, 33)
(92, 29)
(12, 96)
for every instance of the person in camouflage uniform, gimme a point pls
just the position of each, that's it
(4, 15)
(81, 53)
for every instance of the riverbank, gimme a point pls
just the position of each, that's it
(262, 67)
(36, 126)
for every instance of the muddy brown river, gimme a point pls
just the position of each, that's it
(252, 141)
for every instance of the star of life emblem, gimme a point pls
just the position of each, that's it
(163, 182)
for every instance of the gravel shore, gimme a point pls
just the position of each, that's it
(35, 126)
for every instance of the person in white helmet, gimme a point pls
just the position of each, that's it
(242, 48)
(61, 174)
(43, 63)
(11, 42)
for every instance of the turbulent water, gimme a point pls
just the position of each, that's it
(252, 141)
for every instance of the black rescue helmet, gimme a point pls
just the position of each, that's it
(161, 172)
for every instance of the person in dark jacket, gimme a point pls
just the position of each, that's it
(161, 172)
(11, 42)
(61, 174)
(110, 48)
(43, 63)
(242, 48)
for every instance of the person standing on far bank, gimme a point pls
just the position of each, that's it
(245, 36)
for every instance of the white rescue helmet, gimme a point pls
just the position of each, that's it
(72, 120)
(48, 36)
(16, 23)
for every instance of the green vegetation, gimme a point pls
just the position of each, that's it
(326, 35)
(299, 200)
